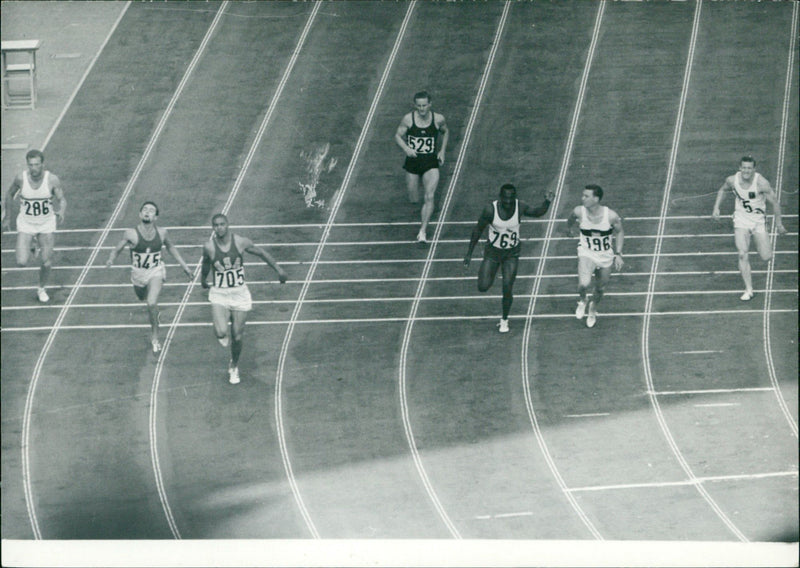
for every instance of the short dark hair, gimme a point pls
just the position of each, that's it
(34, 154)
(596, 189)
(422, 95)
(748, 159)
(509, 186)
(149, 203)
(217, 216)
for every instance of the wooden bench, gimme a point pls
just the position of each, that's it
(18, 65)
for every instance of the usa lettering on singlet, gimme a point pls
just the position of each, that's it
(504, 233)
(146, 254)
(228, 266)
(36, 203)
(422, 139)
(595, 237)
(749, 202)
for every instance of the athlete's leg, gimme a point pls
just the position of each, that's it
(46, 242)
(412, 184)
(140, 291)
(23, 248)
(509, 275)
(763, 245)
(602, 276)
(585, 270)
(153, 291)
(742, 239)
(486, 274)
(238, 319)
(220, 315)
(430, 180)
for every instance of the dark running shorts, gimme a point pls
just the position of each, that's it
(500, 255)
(421, 164)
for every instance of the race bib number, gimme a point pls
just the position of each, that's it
(145, 259)
(36, 207)
(598, 244)
(229, 278)
(422, 144)
(507, 240)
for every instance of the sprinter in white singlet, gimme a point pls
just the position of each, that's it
(42, 206)
(502, 248)
(228, 294)
(751, 192)
(599, 249)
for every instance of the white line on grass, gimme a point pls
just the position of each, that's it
(416, 319)
(767, 328)
(26, 427)
(409, 432)
(709, 391)
(234, 191)
(382, 224)
(526, 336)
(337, 201)
(645, 345)
(694, 481)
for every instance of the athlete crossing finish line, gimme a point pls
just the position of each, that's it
(228, 294)
(503, 246)
(597, 225)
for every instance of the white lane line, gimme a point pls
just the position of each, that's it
(715, 404)
(26, 426)
(232, 194)
(694, 481)
(337, 201)
(416, 319)
(709, 391)
(645, 343)
(378, 299)
(767, 328)
(698, 352)
(587, 415)
(402, 365)
(387, 224)
(526, 336)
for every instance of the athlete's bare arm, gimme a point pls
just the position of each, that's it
(483, 221)
(58, 192)
(128, 239)
(619, 238)
(445, 136)
(174, 251)
(11, 195)
(765, 188)
(724, 188)
(205, 268)
(400, 136)
(572, 221)
(529, 211)
(248, 246)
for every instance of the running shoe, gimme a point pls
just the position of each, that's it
(747, 296)
(42, 295)
(503, 325)
(224, 341)
(233, 375)
(591, 318)
(156, 346)
(422, 237)
(581, 309)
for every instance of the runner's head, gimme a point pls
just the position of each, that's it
(35, 161)
(148, 212)
(219, 223)
(592, 194)
(508, 193)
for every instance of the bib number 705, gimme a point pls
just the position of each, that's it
(230, 278)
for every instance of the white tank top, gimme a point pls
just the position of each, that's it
(504, 233)
(595, 236)
(749, 202)
(36, 205)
